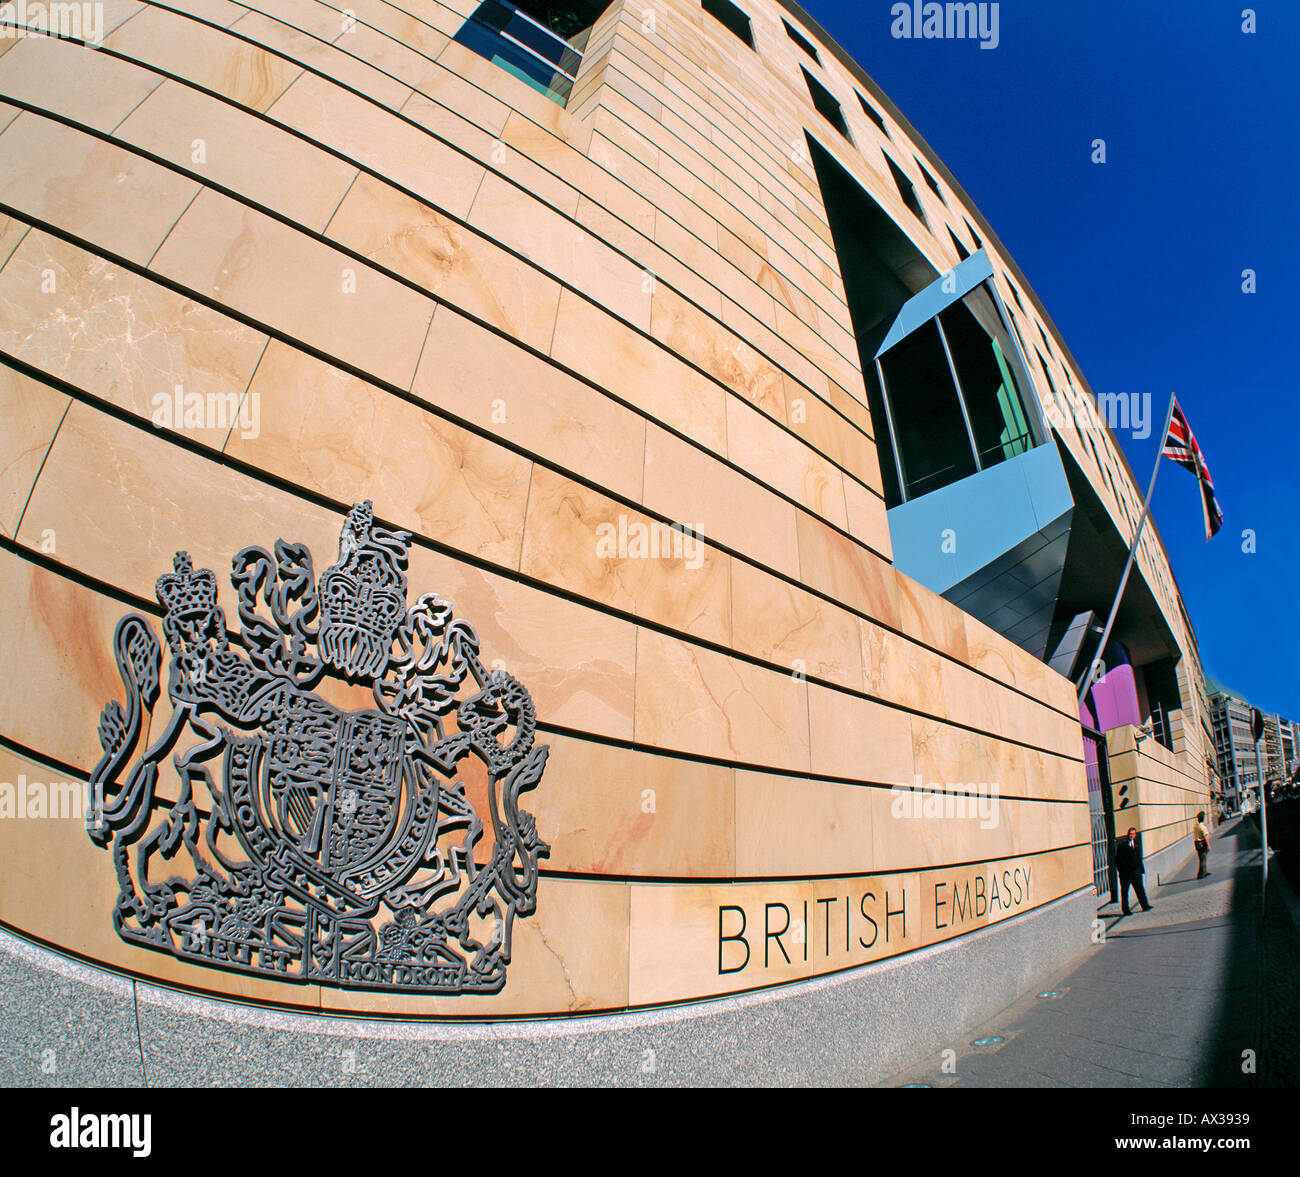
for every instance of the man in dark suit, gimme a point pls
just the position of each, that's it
(1128, 861)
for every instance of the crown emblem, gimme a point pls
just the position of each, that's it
(190, 599)
(324, 846)
(363, 595)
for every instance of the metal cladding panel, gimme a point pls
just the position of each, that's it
(941, 293)
(989, 515)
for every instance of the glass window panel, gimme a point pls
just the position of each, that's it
(514, 59)
(539, 41)
(542, 41)
(983, 355)
(933, 443)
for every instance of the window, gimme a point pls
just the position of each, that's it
(962, 251)
(906, 190)
(873, 114)
(1042, 359)
(799, 39)
(929, 430)
(979, 345)
(825, 102)
(974, 236)
(929, 179)
(952, 393)
(539, 41)
(732, 17)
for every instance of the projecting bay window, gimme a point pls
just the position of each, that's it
(943, 374)
(931, 434)
(540, 42)
(953, 397)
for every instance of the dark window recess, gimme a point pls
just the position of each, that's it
(799, 39)
(873, 114)
(981, 354)
(1160, 679)
(881, 269)
(1042, 359)
(929, 179)
(906, 190)
(732, 17)
(825, 102)
(1086, 432)
(1110, 481)
(962, 251)
(975, 236)
(565, 18)
(933, 443)
(540, 43)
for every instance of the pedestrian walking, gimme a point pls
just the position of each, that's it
(1201, 840)
(1128, 861)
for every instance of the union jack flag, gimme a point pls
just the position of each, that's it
(1180, 445)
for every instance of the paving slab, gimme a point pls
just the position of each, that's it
(1201, 991)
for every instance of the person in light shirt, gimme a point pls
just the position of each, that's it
(1201, 839)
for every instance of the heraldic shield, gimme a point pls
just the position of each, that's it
(297, 839)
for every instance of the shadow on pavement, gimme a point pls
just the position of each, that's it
(1253, 1041)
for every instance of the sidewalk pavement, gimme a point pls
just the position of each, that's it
(1171, 998)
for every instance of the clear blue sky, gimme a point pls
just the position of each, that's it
(1139, 260)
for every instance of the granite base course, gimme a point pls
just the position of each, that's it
(856, 1027)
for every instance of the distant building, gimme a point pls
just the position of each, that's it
(1271, 750)
(1287, 732)
(1230, 718)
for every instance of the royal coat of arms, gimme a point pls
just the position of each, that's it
(300, 840)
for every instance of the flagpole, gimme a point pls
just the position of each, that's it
(1086, 681)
